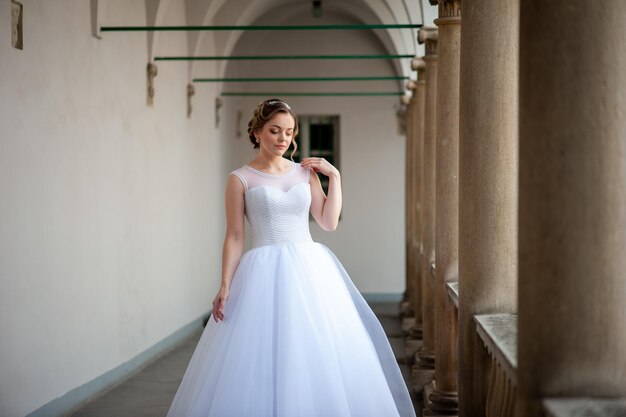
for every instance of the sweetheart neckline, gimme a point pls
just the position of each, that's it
(276, 188)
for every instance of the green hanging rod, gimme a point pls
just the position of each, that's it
(253, 27)
(305, 79)
(330, 94)
(276, 57)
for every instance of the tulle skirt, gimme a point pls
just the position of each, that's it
(297, 340)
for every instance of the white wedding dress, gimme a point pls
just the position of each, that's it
(297, 339)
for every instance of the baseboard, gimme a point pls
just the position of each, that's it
(382, 297)
(79, 395)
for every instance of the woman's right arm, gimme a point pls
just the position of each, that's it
(233, 241)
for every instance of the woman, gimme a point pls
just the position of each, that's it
(291, 335)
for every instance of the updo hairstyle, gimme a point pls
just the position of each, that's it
(264, 112)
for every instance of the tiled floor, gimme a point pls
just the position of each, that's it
(149, 391)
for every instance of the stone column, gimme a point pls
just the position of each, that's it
(572, 201)
(425, 357)
(488, 183)
(444, 399)
(404, 305)
(418, 65)
(408, 314)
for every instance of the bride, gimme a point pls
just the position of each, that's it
(291, 336)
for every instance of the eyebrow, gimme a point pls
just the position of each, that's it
(289, 128)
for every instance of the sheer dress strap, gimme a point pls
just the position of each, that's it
(241, 177)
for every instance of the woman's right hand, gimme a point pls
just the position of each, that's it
(218, 304)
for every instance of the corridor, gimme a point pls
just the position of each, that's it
(480, 147)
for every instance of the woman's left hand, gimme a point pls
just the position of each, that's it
(320, 165)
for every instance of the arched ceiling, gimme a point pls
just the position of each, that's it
(247, 12)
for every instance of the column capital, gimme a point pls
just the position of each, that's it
(448, 8)
(418, 64)
(428, 36)
(411, 85)
(406, 99)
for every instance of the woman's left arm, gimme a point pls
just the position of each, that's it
(324, 208)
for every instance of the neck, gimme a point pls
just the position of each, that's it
(276, 162)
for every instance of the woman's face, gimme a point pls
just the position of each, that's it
(277, 134)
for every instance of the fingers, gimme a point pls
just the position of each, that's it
(317, 164)
(218, 309)
(218, 315)
(312, 161)
(215, 313)
(320, 165)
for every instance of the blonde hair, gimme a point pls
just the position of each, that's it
(264, 112)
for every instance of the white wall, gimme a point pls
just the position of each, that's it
(110, 226)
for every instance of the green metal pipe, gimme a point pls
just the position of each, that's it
(331, 94)
(276, 57)
(253, 27)
(305, 79)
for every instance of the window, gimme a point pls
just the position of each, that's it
(319, 137)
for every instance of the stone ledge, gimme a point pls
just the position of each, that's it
(453, 292)
(499, 334)
(588, 407)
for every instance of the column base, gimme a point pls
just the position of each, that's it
(442, 403)
(423, 372)
(428, 389)
(426, 358)
(415, 332)
(421, 378)
(407, 324)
